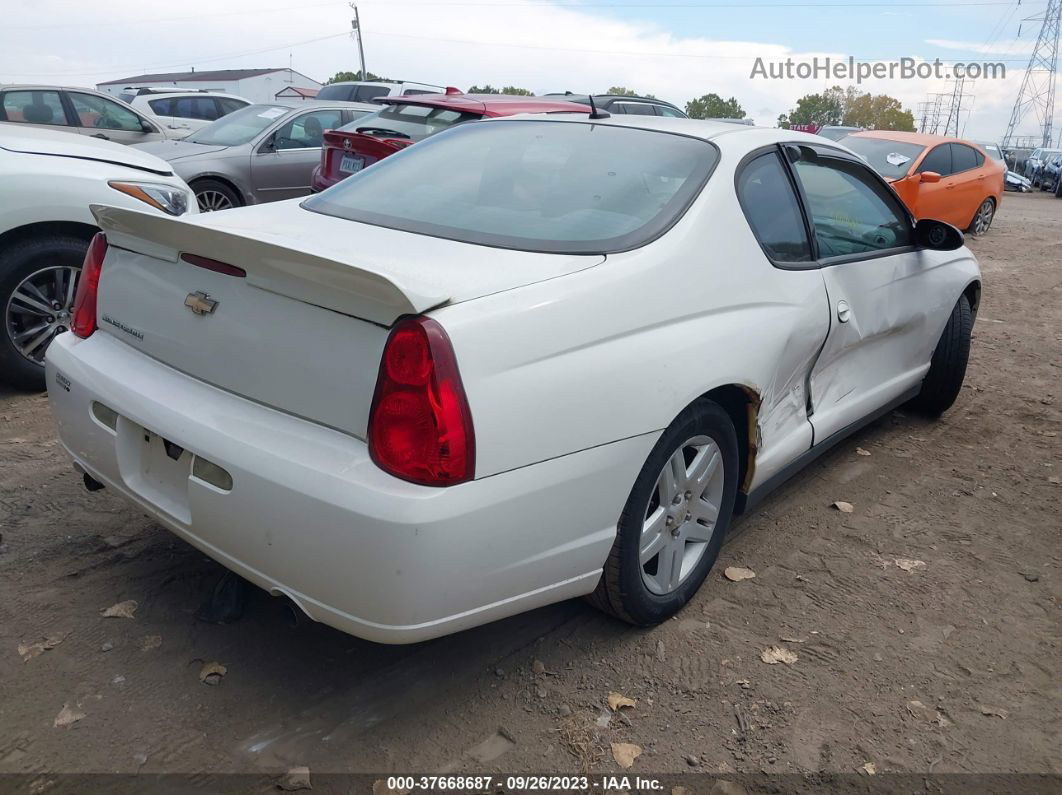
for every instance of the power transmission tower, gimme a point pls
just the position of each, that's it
(932, 109)
(1038, 85)
(953, 121)
(355, 24)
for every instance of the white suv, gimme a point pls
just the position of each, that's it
(47, 182)
(367, 91)
(184, 112)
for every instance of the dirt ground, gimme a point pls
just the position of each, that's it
(925, 623)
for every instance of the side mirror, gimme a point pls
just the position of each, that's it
(270, 144)
(929, 176)
(937, 235)
(146, 126)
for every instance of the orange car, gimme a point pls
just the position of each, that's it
(943, 178)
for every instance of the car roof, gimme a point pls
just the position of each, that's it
(296, 104)
(478, 103)
(727, 135)
(922, 139)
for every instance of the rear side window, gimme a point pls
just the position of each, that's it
(772, 209)
(161, 107)
(664, 110)
(336, 93)
(633, 108)
(369, 93)
(546, 186)
(33, 107)
(938, 160)
(229, 105)
(963, 158)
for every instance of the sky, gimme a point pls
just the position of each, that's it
(674, 49)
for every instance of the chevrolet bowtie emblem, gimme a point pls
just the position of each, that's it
(200, 303)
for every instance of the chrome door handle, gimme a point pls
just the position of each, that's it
(844, 312)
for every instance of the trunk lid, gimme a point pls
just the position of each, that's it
(304, 329)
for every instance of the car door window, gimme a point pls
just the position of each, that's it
(32, 107)
(633, 108)
(852, 211)
(307, 131)
(772, 209)
(103, 114)
(963, 158)
(664, 110)
(938, 160)
(199, 108)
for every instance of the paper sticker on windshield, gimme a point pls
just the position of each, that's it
(272, 113)
(896, 159)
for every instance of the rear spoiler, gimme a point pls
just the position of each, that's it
(350, 288)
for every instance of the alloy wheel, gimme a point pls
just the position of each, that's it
(984, 217)
(682, 514)
(39, 308)
(211, 200)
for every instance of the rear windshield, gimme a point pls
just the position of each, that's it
(409, 121)
(547, 186)
(240, 126)
(891, 159)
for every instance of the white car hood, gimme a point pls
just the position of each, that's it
(82, 147)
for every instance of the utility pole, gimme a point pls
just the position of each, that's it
(356, 25)
(1038, 86)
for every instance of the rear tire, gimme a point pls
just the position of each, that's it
(947, 371)
(25, 266)
(213, 195)
(982, 220)
(700, 451)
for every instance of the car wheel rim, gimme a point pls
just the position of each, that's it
(211, 200)
(682, 515)
(39, 308)
(984, 218)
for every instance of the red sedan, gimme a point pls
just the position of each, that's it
(405, 120)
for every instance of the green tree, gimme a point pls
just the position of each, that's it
(822, 109)
(623, 91)
(489, 89)
(783, 121)
(850, 107)
(713, 106)
(346, 77)
(878, 112)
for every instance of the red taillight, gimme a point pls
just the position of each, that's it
(83, 319)
(420, 426)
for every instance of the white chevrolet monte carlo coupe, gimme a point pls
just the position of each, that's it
(525, 360)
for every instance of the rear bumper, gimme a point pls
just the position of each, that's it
(311, 517)
(319, 181)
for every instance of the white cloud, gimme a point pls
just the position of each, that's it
(1012, 47)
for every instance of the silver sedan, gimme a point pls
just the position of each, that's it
(261, 153)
